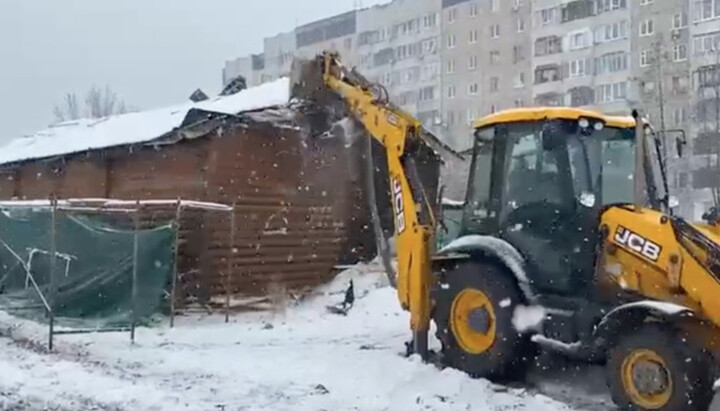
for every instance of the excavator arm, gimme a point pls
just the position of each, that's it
(401, 135)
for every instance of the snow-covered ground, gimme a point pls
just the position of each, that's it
(301, 359)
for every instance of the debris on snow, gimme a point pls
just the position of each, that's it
(555, 344)
(528, 318)
(309, 359)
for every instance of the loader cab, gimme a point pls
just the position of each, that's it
(540, 179)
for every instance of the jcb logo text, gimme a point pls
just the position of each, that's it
(399, 205)
(637, 243)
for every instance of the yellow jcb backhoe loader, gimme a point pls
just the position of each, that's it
(568, 242)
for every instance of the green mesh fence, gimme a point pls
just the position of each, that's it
(93, 267)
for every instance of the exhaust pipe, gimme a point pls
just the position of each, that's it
(639, 177)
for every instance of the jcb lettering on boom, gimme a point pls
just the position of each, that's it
(637, 243)
(399, 205)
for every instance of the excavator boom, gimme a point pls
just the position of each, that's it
(401, 135)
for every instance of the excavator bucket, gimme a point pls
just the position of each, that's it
(321, 107)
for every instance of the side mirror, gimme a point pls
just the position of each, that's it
(679, 143)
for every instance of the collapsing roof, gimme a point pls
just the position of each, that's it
(132, 128)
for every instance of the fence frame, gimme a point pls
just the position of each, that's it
(104, 207)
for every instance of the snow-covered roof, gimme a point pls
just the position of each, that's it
(88, 134)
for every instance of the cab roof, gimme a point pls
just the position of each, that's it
(541, 113)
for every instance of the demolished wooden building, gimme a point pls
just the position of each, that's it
(300, 208)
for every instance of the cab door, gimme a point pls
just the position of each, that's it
(539, 211)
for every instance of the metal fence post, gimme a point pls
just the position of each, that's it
(133, 303)
(231, 255)
(176, 251)
(53, 252)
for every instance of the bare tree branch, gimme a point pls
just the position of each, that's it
(98, 103)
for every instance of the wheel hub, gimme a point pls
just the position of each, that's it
(479, 320)
(649, 377)
(472, 321)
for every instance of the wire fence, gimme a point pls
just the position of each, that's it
(88, 266)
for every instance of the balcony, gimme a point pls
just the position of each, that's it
(547, 73)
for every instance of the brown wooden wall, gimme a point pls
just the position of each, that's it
(299, 209)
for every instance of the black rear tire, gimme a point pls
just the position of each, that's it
(511, 351)
(688, 367)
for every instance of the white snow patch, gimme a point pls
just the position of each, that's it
(528, 318)
(452, 203)
(505, 303)
(664, 307)
(87, 134)
(614, 268)
(555, 344)
(587, 199)
(303, 359)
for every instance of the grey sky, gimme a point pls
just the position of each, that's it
(151, 52)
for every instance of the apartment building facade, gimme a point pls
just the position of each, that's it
(449, 62)
(485, 62)
(700, 174)
(582, 54)
(399, 48)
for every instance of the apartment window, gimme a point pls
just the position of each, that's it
(548, 16)
(607, 93)
(579, 40)
(494, 57)
(494, 31)
(451, 66)
(611, 32)
(430, 20)
(706, 43)
(706, 9)
(611, 63)
(646, 57)
(679, 84)
(473, 9)
(519, 80)
(494, 84)
(520, 25)
(429, 46)
(645, 2)
(647, 27)
(548, 45)
(473, 89)
(679, 20)
(679, 116)
(473, 37)
(604, 6)
(472, 63)
(493, 108)
(519, 102)
(426, 93)
(451, 91)
(518, 54)
(494, 5)
(680, 52)
(451, 41)
(452, 15)
(450, 118)
(547, 73)
(579, 68)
